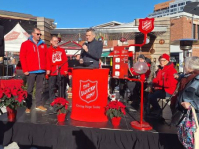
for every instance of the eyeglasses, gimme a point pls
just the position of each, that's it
(38, 34)
(162, 60)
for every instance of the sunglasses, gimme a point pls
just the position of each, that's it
(38, 34)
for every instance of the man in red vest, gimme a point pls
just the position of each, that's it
(56, 57)
(33, 62)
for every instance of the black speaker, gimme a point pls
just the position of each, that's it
(1, 41)
(4, 68)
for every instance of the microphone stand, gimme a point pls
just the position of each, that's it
(76, 52)
(59, 77)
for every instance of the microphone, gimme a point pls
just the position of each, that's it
(86, 43)
(82, 50)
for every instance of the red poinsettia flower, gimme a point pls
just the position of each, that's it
(25, 94)
(14, 91)
(7, 92)
(115, 109)
(1, 93)
(20, 98)
(66, 106)
(61, 103)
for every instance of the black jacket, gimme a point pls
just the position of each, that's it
(94, 53)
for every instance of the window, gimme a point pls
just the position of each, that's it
(198, 31)
(194, 31)
(188, 2)
(172, 6)
(181, 8)
(180, 4)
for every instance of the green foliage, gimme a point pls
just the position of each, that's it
(114, 113)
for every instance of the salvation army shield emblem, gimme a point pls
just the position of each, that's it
(88, 90)
(146, 25)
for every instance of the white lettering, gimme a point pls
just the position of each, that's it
(96, 107)
(90, 95)
(86, 85)
(80, 106)
(88, 107)
(92, 88)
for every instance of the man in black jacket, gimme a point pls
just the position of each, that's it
(91, 50)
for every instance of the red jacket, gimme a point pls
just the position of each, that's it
(55, 58)
(165, 79)
(32, 56)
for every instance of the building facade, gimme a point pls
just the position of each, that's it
(169, 8)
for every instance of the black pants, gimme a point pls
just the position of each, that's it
(154, 96)
(54, 85)
(31, 79)
(68, 81)
(112, 84)
(134, 88)
(122, 87)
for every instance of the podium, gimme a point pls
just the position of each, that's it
(90, 94)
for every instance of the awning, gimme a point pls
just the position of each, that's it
(112, 53)
(105, 54)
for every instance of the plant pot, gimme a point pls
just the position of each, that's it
(61, 117)
(116, 121)
(11, 113)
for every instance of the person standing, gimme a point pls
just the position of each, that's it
(33, 61)
(56, 57)
(91, 50)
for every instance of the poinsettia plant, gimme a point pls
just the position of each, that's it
(61, 105)
(115, 109)
(12, 97)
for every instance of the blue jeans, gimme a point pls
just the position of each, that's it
(152, 98)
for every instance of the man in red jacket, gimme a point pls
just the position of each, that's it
(164, 83)
(56, 57)
(33, 61)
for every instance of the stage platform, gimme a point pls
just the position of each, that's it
(41, 129)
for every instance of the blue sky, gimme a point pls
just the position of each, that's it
(82, 13)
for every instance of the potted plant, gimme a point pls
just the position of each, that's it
(61, 106)
(115, 110)
(12, 98)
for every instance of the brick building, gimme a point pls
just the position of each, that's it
(180, 26)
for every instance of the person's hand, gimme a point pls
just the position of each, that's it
(65, 72)
(26, 73)
(176, 76)
(85, 48)
(81, 61)
(186, 105)
(48, 72)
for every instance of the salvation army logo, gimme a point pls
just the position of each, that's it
(88, 91)
(56, 57)
(42, 46)
(12, 36)
(146, 25)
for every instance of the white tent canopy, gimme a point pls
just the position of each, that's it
(14, 38)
